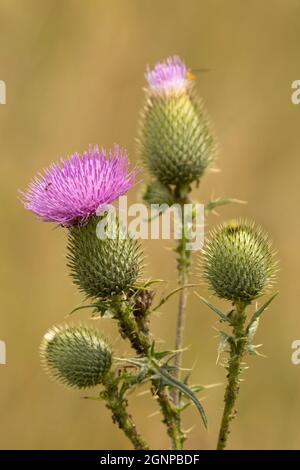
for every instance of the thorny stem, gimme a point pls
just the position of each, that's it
(183, 263)
(129, 329)
(141, 343)
(118, 407)
(237, 350)
(171, 416)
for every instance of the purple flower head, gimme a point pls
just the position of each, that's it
(168, 76)
(71, 191)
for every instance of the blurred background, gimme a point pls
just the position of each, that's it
(74, 72)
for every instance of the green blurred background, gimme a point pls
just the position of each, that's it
(74, 75)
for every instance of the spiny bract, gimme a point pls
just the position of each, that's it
(175, 141)
(237, 262)
(76, 355)
(102, 267)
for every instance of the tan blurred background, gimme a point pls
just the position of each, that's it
(74, 75)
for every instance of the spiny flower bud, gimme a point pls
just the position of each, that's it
(76, 355)
(174, 137)
(238, 262)
(103, 267)
(157, 193)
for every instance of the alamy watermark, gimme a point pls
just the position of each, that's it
(2, 352)
(295, 96)
(159, 221)
(295, 357)
(2, 92)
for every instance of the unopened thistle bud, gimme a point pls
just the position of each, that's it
(175, 141)
(238, 262)
(101, 267)
(76, 355)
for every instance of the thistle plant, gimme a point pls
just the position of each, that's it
(238, 265)
(177, 147)
(107, 270)
(106, 264)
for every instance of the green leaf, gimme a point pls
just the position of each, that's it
(171, 381)
(197, 388)
(178, 289)
(148, 283)
(258, 312)
(200, 388)
(82, 307)
(211, 205)
(220, 314)
(162, 354)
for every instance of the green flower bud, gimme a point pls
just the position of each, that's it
(157, 193)
(76, 355)
(102, 267)
(175, 141)
(237, 262)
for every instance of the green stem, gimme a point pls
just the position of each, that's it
(183, 264)
(129, 329)
(118, 407)
(237, 350)
(141, 343)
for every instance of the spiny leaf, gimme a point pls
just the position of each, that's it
(178, 289)
(82, 307)
(258, 312)
(162, 354)
(211, 205)
(148, 283)
(171, 381)
(214, 309)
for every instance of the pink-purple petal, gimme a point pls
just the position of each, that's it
(71, 191)
(167, 76)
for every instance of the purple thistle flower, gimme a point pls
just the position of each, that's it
(168, 76)
(71, 191)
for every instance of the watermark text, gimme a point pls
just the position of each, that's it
(2, 352)
(295, 96)
(2, 92)
(159, 221)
